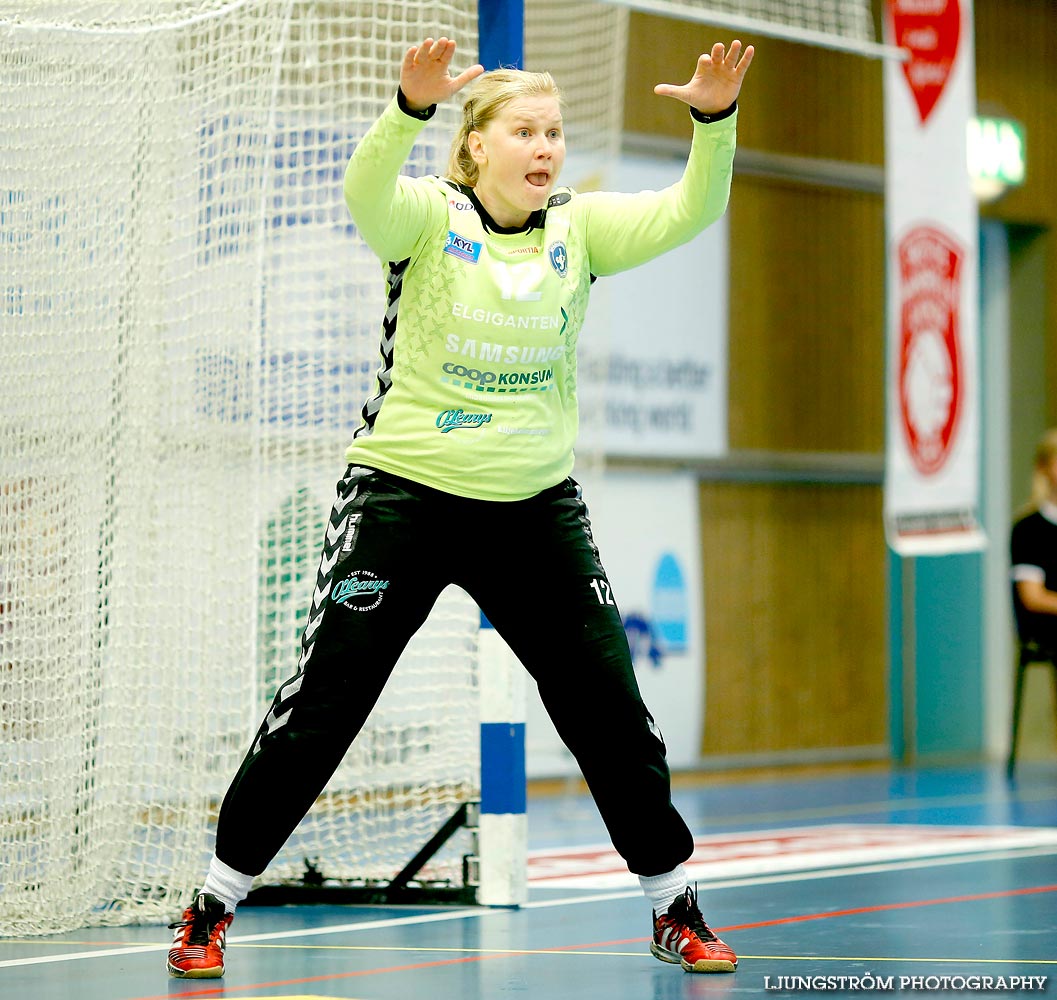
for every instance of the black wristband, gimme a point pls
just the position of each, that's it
(716, 116)
(422, 116)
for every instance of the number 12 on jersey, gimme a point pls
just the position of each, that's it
(603, 591)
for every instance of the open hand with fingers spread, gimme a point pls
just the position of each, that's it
(716, 81)
(425, 76)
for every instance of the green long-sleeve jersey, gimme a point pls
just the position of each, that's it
(476, 392)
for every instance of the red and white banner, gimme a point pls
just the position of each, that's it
(933, 434)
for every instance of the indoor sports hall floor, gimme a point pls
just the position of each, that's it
(888, 880)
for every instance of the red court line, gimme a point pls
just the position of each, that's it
(895, 906)
(976, 897)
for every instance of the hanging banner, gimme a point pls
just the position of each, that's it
(932, 472)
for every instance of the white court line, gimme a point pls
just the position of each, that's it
(480, 913)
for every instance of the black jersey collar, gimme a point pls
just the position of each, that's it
(534, 221)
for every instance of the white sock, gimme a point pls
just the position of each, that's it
(662, 890)
(229, 886)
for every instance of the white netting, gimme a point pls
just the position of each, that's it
(592, 83)
(417, 759)
(845, 18)
(189, 325)
(582, 44)
(841, 24)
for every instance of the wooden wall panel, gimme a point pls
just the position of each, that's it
(806, 368)
(796, 647)
(797, 100)
(806, 348)
(1016, 75)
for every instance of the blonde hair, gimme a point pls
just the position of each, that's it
(488, 95)
(1045, 453)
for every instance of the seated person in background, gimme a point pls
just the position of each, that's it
(1033, 551)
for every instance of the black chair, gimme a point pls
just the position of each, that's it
(1028, 652)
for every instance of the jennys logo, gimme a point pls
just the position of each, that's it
(451, 420)
(463, 248)
(361, 590)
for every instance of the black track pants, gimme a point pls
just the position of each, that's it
(532, 567)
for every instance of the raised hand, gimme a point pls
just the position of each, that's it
(424, 74)
(716, 81)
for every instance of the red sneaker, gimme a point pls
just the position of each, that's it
(682, 937)
(199, 941)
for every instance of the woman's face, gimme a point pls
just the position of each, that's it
(519, 155)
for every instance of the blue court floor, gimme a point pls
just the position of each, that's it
(906, 882)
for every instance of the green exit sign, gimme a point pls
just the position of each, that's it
(997, 151)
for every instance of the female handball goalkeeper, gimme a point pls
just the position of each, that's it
(460, 470)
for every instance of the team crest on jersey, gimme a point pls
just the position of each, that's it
(559, 258)
(463, 248)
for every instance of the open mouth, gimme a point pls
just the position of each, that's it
(539, 179)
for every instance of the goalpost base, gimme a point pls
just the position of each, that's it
(404, 888)
(339, 892)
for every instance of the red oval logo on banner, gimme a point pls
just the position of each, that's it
(930, 30)
(930, 358)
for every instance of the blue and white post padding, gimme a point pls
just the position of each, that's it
(502, 831)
